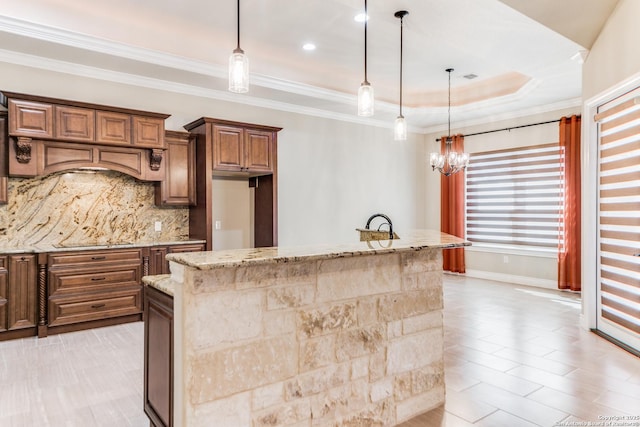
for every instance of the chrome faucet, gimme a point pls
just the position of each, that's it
(388, 223)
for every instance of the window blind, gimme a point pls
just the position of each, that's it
(619, 213)
(514, 197)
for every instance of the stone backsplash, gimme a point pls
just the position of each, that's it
(83, 207)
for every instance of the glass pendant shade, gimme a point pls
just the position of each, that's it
(400, 129)
(238, 72)
(365, 100)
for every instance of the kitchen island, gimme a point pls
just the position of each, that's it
(348, 335)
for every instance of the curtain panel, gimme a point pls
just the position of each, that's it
(569, 259)
(452, 209)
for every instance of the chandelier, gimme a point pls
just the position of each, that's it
(449, 162)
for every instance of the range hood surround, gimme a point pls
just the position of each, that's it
(49, 135)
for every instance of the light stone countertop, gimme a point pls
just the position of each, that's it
(42, 248)
(409, 240)
(161, 282)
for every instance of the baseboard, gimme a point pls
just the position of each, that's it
(511, 278)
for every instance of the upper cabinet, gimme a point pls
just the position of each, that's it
(179, 186)
(242, 149)
(48, 135)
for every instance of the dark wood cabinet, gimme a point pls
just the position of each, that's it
(93, 288)
(148, 132)
(18, 296)
(158, 357)
(4, 159)
(179, 185)
(239, 150)
(113, 128)
(30, 119)
(47, 135)
(75, 123)
(158, 263)
(242, 149)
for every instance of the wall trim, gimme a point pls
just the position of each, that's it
(511, 278)
(80, 41)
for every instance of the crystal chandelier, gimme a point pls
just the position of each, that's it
(450, 162)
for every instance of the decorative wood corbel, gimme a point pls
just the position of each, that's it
(23, 150)
(155, 159)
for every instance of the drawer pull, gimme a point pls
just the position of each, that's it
(98, 305)
(96, 279)
(97, 258)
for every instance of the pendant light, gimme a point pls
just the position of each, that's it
(365, 92)
(400, 126)
(450, 162)
(238, 66)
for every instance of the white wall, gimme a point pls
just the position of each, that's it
(233, 209)
(613, 63)
(522, 267)
(615, 55)
(332, 174)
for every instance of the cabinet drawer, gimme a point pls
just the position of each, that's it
(128, 256)
(65, 282)
(96, 306)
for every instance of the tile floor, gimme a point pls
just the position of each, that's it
(514, 357)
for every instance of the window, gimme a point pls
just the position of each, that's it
(515, 197)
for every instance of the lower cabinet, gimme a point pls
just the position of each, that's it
(93, 288)
(18, 296)
(157, 261)
(158, 357)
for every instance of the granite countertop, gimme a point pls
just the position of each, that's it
(409, 240)
(85, 246)
(161, 282)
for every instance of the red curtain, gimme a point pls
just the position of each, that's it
(452, 215)
(569, 276)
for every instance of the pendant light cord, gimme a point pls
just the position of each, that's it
(366, 18)
(238, 17)
(401, 31)
(449, 70)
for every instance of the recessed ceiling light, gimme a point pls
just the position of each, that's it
(309, 46)
(470, 76)
(361, 17)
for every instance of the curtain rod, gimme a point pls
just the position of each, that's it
(509, 129)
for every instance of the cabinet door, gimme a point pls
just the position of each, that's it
(258, 151)
(4, 283)
(228, 148)
(113, 128)
(22, 292)
(179, 185)
(4, 159)
(158, 357)
(74, 123)
(30, 119)
(157, 262)
(148, 132)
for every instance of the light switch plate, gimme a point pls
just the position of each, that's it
(158, 226)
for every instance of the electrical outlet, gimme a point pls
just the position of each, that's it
(505, 259)
(218, 225)
(158, 226)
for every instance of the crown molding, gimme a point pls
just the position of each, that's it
(186, 89)
(81, 41)
(525, 112)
